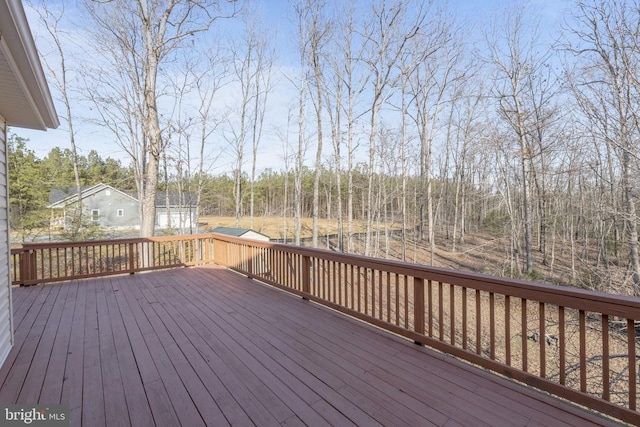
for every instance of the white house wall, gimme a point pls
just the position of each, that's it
(6, 320)
(255, 236)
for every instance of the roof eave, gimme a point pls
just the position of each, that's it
(18, 46)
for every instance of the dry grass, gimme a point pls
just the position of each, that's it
(278, 228)
(481, 252)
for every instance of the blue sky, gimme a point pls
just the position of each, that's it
(474, 14)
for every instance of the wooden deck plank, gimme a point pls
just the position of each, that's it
(73, 372)
(177, 392)
(22, 363)
(207, 346)
(184, 357)
(419, 386)
(22, 325)
(54, 378)
(22, 300)
(156, 394)
(329, 413)
(238, 388)
(115, 407)
(93, 397)
(184, 335)
(476, 403)
(138, 406)
(32, 387)
(327, 366)
(349, 366)
(242, 363)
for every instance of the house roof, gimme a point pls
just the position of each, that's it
(26, 100)
(236, 232)
(183, 199)
(61, 197)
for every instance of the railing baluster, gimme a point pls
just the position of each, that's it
(406, 301)
(478, 323)
(440, 312)
(507, 329)
(418, 305)
(543, 340)
(605, 358)
(430, 306)
(525, 332)
(633, 378)
(452, 314)
(562, 345)
(583, 351)
(492, 325)
(388, 297)
(397, 294)
(464, 318)
(360, 291)
(351, 268)
(380, 294)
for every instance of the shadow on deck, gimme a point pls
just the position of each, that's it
(206, 346)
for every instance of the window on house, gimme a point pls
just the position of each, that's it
(120, 213)
(95, 214)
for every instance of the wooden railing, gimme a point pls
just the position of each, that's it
(580, 345)
(53, 262)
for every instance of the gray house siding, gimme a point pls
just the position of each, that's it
(117, 210)
(114, 209)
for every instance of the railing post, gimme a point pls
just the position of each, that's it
(131, 258)
(217, 252)
(306, 275)
(250, 260)
(418, 306)
(25, 271)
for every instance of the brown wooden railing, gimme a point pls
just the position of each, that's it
(580, 345)
(53, 262)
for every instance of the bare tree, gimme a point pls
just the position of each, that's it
(606, 42)
(520, 88)
(252, 65)
(209, 76)
(136, 39)
(60, 72)
(314, 28)
(387, 32)
(436, 55)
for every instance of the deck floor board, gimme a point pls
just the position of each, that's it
(206, 346)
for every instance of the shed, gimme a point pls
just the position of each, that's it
(244, 233)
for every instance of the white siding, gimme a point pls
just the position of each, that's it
(6, 320)
(255, 236)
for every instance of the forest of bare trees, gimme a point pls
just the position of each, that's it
(385, 111)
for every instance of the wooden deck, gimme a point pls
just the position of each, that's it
(206, 346)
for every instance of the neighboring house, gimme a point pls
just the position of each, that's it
(101, 204)
(117, 210)
(25, 101)
(178, 211)
(245, 233)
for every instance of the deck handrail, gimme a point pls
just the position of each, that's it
(578, 344)
(36, 263)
